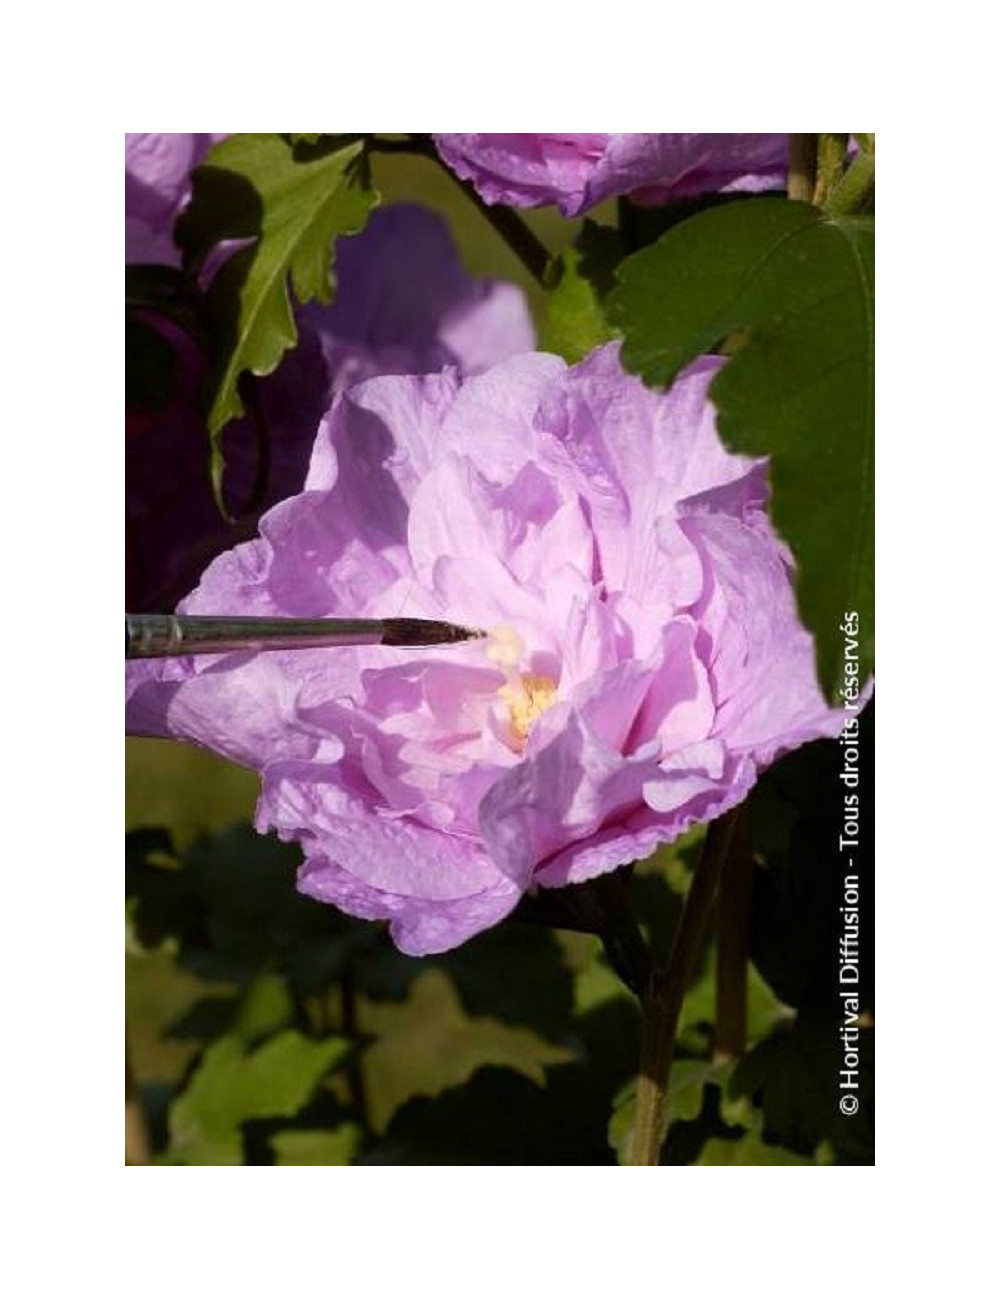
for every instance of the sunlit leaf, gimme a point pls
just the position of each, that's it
(575, 322)
(793, 290)
(159, 997)
(685, 1095)
(750, 1149)
(337, 1146)
(430, 1043)
(231, 1086)
(266, 1007)
(764, 1009)
(188, 789)
(292, 199)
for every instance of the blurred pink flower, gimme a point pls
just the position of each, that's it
(157, 186)
(578, 171)
(404, 305)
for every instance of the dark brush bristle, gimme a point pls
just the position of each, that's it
(425, 631)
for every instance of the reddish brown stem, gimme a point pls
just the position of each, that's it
(733, 955)
(802, 151)
(667, 985)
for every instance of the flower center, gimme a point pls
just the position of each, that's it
(526, 700)
(526, 695)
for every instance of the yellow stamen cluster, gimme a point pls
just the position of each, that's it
(527, 701)
(527, 695)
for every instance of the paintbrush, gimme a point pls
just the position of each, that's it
(155, 636)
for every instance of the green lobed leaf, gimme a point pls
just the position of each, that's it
(579, 278)
(794, 288)
(337, 1146)
(501, 1118)
(797, 816)
(429, 1043)
(793, 1077)
(751, 1149)
(516, 973)
(292, 200)
(621, 1125)
(187, 789)
(596, 984)
(764, 1009)
(233, 907)
(265, 1008)
(685, 1095)
(206, 1018)
(231, 1086)
(159, 998)
(675, 863)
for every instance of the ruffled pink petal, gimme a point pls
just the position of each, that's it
(565, 792)
(419, 926)
(578, 171)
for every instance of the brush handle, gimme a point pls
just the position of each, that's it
(158, 636)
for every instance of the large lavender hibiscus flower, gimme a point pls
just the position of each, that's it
(645, 658)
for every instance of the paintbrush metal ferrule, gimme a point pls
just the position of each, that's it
(158, 636)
